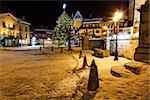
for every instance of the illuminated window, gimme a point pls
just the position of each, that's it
(10, 25)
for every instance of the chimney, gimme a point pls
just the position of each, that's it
(72, 14)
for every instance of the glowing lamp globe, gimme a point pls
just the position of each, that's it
(117, 16)
(64, 6)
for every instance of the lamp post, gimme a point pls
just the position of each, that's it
(117, 16)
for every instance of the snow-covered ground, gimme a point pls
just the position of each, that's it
(49, 75)
(21, 48)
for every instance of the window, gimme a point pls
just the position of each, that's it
(4, 34)
(4, 25)
(13, 26)
(20, 29)
(26, 35)
(120, 30)
(97, 31)
(121, 24)
(9, 34)
(20, 36)
(26, 29)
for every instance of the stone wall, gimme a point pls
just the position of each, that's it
(142, 51)
(126, 47)
(138, 4)
(130, 50)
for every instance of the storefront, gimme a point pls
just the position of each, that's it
(9, 41)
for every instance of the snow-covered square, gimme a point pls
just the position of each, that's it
(52, 75)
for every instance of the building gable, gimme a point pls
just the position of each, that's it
(8, 14)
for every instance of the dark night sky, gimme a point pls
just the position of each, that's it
(46, 12)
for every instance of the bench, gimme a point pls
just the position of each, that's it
(101, 53)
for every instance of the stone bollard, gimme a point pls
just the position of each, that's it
(40, 48)
(61, 49)
(52, 48)
(80, 54)
(84, 62)
(93, 82)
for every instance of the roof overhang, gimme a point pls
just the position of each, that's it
(4, 14)
(92, 22)
(24, 22)
(9, 14)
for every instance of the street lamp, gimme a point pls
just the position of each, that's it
(117, 16)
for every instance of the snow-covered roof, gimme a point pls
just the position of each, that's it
(22, 21)
(78, 15)
(93, 20)
(47, 31)
(9, 14)
(17, 19)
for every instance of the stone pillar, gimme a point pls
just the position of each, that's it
(142, 51)
(86, 41)
(93, 82)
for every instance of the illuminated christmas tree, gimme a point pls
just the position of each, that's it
(63, 29)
